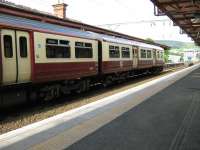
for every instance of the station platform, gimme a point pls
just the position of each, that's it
(169, 120)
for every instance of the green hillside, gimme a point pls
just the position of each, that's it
(178, 44)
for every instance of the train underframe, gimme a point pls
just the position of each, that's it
(14, 95)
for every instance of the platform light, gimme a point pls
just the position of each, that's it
(158, 12)
(195, 20)
(182, 31)
(198, 34)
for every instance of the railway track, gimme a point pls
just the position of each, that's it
(13, 118)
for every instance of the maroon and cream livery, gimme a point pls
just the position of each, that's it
(43, 60)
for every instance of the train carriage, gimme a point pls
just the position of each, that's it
(145, 58)
(44, 60)
(116, 57)
(159, 58)
(33, 54)
(150, 57)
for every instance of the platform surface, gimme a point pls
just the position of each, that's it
(169, 120)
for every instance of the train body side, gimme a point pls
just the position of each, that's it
(159, 58)
(112, 59)
(51, 69)
(36, 66)
(145, 59)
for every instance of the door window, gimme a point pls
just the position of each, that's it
(154, 54)
(149, 54)
(8, 48)
(23, 46)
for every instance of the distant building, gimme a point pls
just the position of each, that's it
(175, 57)
(191, 55)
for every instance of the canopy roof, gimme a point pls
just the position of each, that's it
(184, 13)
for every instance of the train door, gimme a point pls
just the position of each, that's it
(99, 57)
(23, 56)
(15, 56)
(135, 57)
(154, 56)
(9, 64)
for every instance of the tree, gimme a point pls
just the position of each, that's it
(150, 40)
(166, 55)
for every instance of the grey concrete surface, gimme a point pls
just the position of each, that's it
(169, 120)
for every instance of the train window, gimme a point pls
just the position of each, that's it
(158, 54)
(154, 54)
(8, 48)
(57, 51)
(111, 47)
(77, 44)
(161, 55)
(88, 45)
(83, 50)
(57, 48)
(63, 42)
(149, 54)
(125, 52)
(135, 52)
(117, 48)
(143, 53)
(23, 46)
(114, 51)
(52, 41)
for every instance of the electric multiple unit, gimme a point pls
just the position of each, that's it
(43, 60)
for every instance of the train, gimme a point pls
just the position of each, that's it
(40, 60)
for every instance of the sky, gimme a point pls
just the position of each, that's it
(136, 16)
